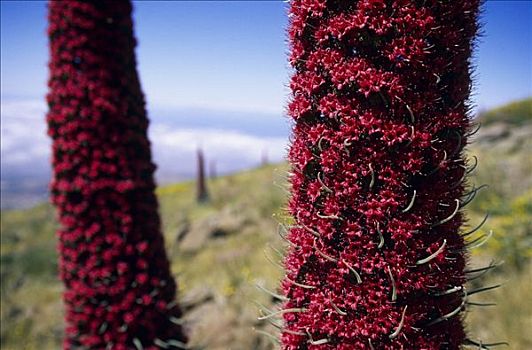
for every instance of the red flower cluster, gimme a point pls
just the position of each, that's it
(119, 289)
(379, 100)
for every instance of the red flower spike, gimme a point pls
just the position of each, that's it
(118, 285)
(380, 111)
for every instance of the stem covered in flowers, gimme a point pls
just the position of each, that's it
(381, 117)
(119, 292)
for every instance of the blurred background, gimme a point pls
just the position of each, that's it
(215, 77)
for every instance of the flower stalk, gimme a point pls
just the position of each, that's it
(119, 291)
(380, 120)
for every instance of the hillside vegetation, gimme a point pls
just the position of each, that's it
(221, 250)
(516, 113)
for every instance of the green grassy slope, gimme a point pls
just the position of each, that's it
(218, 252)
(218, 260)
(503, 147)
(516, 113)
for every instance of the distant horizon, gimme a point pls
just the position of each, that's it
(32, 190)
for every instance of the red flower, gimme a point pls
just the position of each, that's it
(380, 120)
(111, 248)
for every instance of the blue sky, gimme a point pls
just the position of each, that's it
(215, 75)
(213, 55)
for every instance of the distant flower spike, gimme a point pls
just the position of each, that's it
(118, 283)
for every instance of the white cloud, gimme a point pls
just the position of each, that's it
(175, 149)
(219, 105)
(25, 147)
(24, 142)
(216, 140)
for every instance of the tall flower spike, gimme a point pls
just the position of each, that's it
(201, 187)
(119, 291)
(386, 85)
